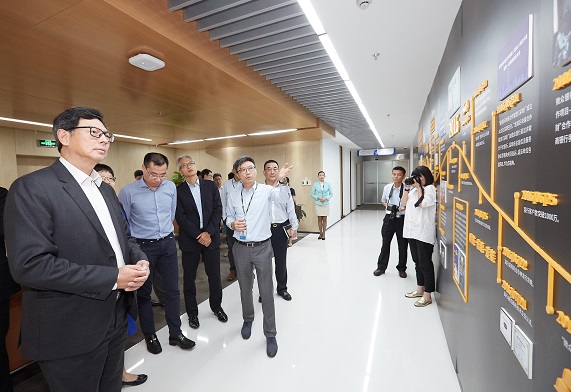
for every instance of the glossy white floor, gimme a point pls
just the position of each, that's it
(344, 330)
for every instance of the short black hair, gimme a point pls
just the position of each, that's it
(69, 119)
(157, 158)
(402, 169)
(217, 175)
(319, 172)
(270, 161)
(231, 176)
(205, 172)
(138, 173)
(426, 173)
(101, 166)
(241, 160)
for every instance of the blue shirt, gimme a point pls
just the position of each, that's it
(195, 190)
(150, 213)
(254, 206)
(323, 190)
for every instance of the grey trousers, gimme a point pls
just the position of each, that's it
(258, 257)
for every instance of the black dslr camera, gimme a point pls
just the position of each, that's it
(411, 180)
(393, 209)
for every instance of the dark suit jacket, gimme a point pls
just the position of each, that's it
(189, 221)
(7, 284)
(60, 254)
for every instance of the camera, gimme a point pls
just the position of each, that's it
(411, 180)
(393, 209)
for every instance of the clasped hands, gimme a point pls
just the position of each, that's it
(131, 277)
(204, 239)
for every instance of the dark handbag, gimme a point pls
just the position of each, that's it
(298, 213)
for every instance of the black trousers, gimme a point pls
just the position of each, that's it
(279, 245)
(5, 379)
(421, 253)
(100, 370)
(389, 229)
(163, 257)
(190, 261)
(230, 241)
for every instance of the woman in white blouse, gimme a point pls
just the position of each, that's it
(419, 228)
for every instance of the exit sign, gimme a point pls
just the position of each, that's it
(46, 143)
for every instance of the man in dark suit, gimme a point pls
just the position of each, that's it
(198, 214)
(69, 249)
(7, 288)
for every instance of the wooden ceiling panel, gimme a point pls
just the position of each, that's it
(76, 53)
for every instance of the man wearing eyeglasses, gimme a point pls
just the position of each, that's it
(198, 214)
(150, 206)
(69, 248)
(248, 214)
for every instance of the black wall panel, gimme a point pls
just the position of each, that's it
(531, 153)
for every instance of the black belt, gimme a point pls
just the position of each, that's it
(280, 224)
(252, 244)
(151, 240)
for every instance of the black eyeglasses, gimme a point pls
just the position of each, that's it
(187, 164)
(97, 133)
(108, 179)
(247, 169)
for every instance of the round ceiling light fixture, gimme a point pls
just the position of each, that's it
(364, 4)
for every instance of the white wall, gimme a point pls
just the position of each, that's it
(332, 168)
(348, 188)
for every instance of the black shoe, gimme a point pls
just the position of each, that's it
(260, 299)
(271, 347)
(285, 295)
(157, 303)
(378, 272)
(153, 344)
(141, 378)
(193, 322)
(222, 317)
(402, 274)
(181, 341)
(246, 330)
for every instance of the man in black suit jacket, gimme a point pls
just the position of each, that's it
(198, 214)
(7, 288)
(69, 248)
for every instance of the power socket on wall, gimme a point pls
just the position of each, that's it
(305, 182)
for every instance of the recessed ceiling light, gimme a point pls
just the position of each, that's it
(146, 62)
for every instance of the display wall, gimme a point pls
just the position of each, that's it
(496, 131)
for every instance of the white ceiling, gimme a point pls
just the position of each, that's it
(410, 36)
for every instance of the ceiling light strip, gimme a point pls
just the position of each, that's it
(26, 122)
(224, 137)
(133, 137)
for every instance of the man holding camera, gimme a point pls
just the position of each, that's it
(393, 223)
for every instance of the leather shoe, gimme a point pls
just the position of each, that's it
(402, 274)
(271, 347)
(285, 295)
(231, 276)
(141, 378)
(193, 322)
(181, 341)
(246, 330)
(378, 272)
(153, 344)
(260, 299)
(222, 317)
(157, 303)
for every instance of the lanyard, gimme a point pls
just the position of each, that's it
(251, 198)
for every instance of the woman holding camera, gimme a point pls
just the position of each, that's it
(419, 228)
